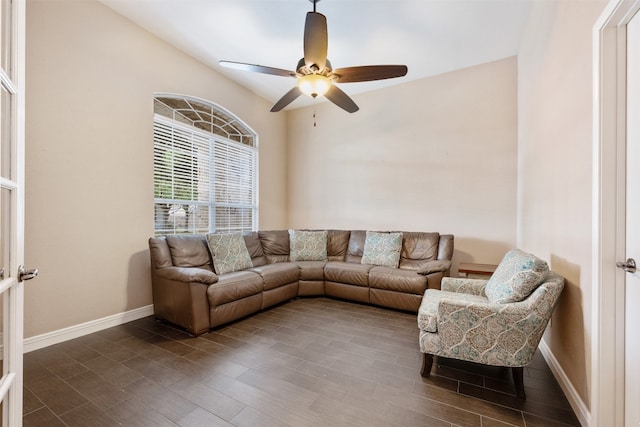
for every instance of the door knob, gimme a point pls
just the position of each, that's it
(24, 274)
(629, 266)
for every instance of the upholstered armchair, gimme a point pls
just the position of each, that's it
(497, 322)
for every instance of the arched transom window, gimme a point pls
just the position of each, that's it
(204, 168)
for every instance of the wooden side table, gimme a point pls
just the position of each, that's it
(470, 268)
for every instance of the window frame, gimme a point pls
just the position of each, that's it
(217, 130)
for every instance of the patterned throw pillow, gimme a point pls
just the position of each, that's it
(229, 252)
(517, 275)
(308, 245)
(382, 249)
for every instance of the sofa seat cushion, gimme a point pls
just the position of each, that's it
(311, 270)
(348, 273)
(234, 286)
(395, 279)
(428, 311)
(278, 274)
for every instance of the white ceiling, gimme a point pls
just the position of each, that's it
(429, 36)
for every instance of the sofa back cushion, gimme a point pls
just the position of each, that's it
(445, 247)
(337, 244)
(229, 252)
(189, 250)
(252, 241)
(308, 245)
(275, 244)
(517, 275)
(160, 253)
(418, 247)
(356, 246)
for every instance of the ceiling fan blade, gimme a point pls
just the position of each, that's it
(315, 40)
(257, 68)
(287, 99)
(369, 72)
(341, 99)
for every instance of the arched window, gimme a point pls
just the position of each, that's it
(205, 163)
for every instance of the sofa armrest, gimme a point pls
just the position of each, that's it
(187, 275)
(462, 285)
(180, 296)
(434, 267)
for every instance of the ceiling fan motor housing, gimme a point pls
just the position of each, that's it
(305, 70)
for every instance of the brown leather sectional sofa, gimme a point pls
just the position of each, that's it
(188, 293)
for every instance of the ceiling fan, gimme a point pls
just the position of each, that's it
(314, 73)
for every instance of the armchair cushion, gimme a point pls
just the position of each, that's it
(382, 249)
(229, 252)
(308, 245)
(517, 275)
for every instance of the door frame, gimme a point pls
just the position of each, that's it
(13, 300)
(608, 209)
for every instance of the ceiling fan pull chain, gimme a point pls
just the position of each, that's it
(315, 104)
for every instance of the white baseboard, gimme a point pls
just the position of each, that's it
(76, 331)
(577, 404)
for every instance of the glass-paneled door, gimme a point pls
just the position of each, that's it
(12, 273)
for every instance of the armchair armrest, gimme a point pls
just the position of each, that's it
(187, 275)
(498, 334)
(462, 285)
(476, 311)
(434, 267)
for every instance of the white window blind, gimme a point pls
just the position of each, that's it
(202, 182)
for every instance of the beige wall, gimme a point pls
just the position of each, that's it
(437, 154)
(555, 170)
(91, 76)
(498, 155)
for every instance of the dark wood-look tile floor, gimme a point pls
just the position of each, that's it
(308, 362)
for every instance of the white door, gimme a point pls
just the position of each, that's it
(12, 60)
(632, 282)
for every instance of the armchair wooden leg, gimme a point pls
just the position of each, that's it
(517, 373)
(427, 363)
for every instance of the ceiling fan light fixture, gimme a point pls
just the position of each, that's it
(314, 73)
(314, 85)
